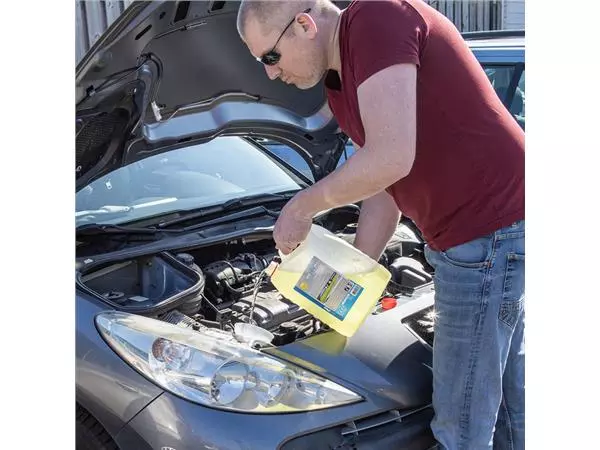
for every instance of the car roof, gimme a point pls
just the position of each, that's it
(498, 46)
(495, 39)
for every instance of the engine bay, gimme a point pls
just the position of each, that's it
(214, 286)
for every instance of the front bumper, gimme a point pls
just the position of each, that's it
(380, 432)
(171, 422)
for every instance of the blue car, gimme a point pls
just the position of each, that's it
(179, 343)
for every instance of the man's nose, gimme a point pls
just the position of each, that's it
(272, 71)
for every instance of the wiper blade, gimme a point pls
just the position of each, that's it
(232, 217)
(117, 210)
(229, 205)
(108, 209)
(254, 199)
(94, 229)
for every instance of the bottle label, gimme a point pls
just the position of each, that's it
(328, 289)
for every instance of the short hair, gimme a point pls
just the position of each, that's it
(273, 14)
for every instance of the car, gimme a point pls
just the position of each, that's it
(501, 53)
(176, 198)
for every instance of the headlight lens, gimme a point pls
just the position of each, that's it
(211, 368)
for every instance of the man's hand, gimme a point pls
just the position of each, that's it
(292, 226)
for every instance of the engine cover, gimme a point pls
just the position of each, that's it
(232, 279)
(270, 311)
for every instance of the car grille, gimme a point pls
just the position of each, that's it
(408, 430)
(356, 427)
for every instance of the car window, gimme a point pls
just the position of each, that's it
(199, 175)
(501, 77)
(289, 155)
(518, 106)
(350, 149)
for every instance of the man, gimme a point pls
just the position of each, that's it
(437, 145)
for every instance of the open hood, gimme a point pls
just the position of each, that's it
(168, 72)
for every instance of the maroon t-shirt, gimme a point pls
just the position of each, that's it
(468, 177)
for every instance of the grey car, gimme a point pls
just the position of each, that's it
(176, 198)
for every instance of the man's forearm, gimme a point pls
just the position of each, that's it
(378, 220)
(362, 176)
(388, 109)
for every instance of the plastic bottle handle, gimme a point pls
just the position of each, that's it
(284, 257)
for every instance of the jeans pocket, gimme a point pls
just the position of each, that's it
(513, 289)
(475, 254)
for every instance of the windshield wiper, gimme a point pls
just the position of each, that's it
(104, 230)
(256, 199)
(105, 210)
(117, 210)
(232, 217)
(229, 205)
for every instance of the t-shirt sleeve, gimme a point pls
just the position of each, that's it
(382, 34)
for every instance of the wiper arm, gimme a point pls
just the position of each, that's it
(232, 217)
(108, 209)
(119, 210)
(254, 199)
(94, 229)
(229, 205)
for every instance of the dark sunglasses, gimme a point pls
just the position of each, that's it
(272, 56)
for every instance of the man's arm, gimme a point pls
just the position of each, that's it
(387, 102)
(378, 220)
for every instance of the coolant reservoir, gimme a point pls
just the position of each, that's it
(332, 280)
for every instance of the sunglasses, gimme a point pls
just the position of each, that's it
(272, 57)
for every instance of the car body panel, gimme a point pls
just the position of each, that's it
(180, 85)
(394, 365)
(106, 386)
(224, 115)
(486, 55)
(189, 49)
(173, 422)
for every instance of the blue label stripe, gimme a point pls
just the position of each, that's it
(344, 307)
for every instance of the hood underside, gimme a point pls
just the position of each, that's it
(170, 71)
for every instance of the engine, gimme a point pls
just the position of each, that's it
(229, 293)
(216, 286)
(232, 281)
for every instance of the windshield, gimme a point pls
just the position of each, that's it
(187, 178)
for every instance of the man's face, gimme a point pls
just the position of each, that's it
(303, 61)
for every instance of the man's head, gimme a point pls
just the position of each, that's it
(291, 38)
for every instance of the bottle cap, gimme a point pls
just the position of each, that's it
(252, 334)
(388, 303)
(270, 269)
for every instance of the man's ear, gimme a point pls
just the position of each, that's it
(309, 26)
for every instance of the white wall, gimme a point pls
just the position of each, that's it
(513, 14)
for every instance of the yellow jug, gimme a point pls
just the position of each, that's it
(332, 280)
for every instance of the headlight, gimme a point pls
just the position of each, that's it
(211, 368)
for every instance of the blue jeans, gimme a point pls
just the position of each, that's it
(478, 350)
